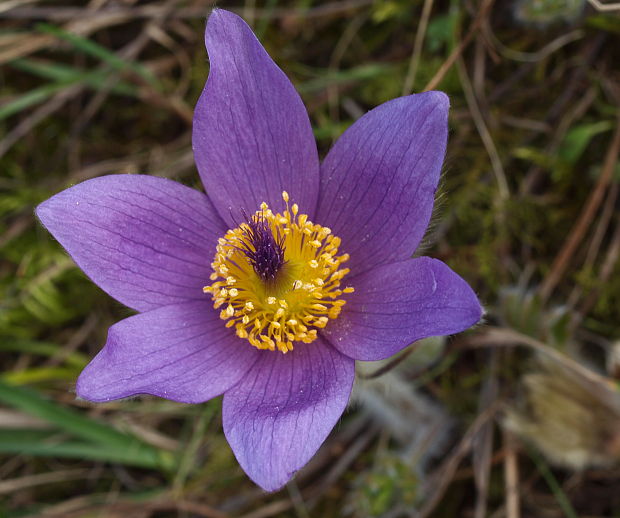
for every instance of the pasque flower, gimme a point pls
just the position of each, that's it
(269, 287)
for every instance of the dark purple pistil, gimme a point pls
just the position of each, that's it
(265, 253)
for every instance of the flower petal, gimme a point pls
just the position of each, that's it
(181, 352)
(378, 182)
(397, 304)
(252, 137)
(146, 241)
(281, 412)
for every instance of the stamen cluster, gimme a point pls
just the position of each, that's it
(277, 278)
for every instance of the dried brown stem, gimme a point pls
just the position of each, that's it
(473, 29)
(567, 252)
(511, 476)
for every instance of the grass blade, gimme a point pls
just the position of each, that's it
(112, 443)
(54, 444)
(95, 50)
(59, 72)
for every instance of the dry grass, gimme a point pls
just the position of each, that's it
(529, 216)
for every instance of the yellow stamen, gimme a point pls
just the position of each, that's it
(301, 299)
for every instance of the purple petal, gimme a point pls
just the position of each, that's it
(181, 352)
(252, 137)
(281, 412)
(397, 304)
(146, 241)
(378, 182)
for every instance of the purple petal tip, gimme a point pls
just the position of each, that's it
(221, 16)
(41, 212)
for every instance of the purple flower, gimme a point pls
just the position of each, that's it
(283, 255)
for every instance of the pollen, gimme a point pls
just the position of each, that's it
(277, 278)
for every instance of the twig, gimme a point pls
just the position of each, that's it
(16, 228)
(539, 55)
(40, 114)
(447, 64)
(12, 4)
(597, 239)
(76, 340)
(499, 336)
(346, 459)
(417, 47)
(84, 505)
(21, 483)
(607, 268)
(599, 6)
(561, 261)
(485, 135)
(297, 500)
(437, 484)
(511, 476)
(607, 213)
(153, 11)
(483, 442)
(334, 61)
(561, 128)
(389, 365)
(130, 52)
(272, 509)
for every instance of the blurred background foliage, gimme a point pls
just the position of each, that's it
(518, 417)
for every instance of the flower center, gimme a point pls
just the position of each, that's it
(277, 278)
